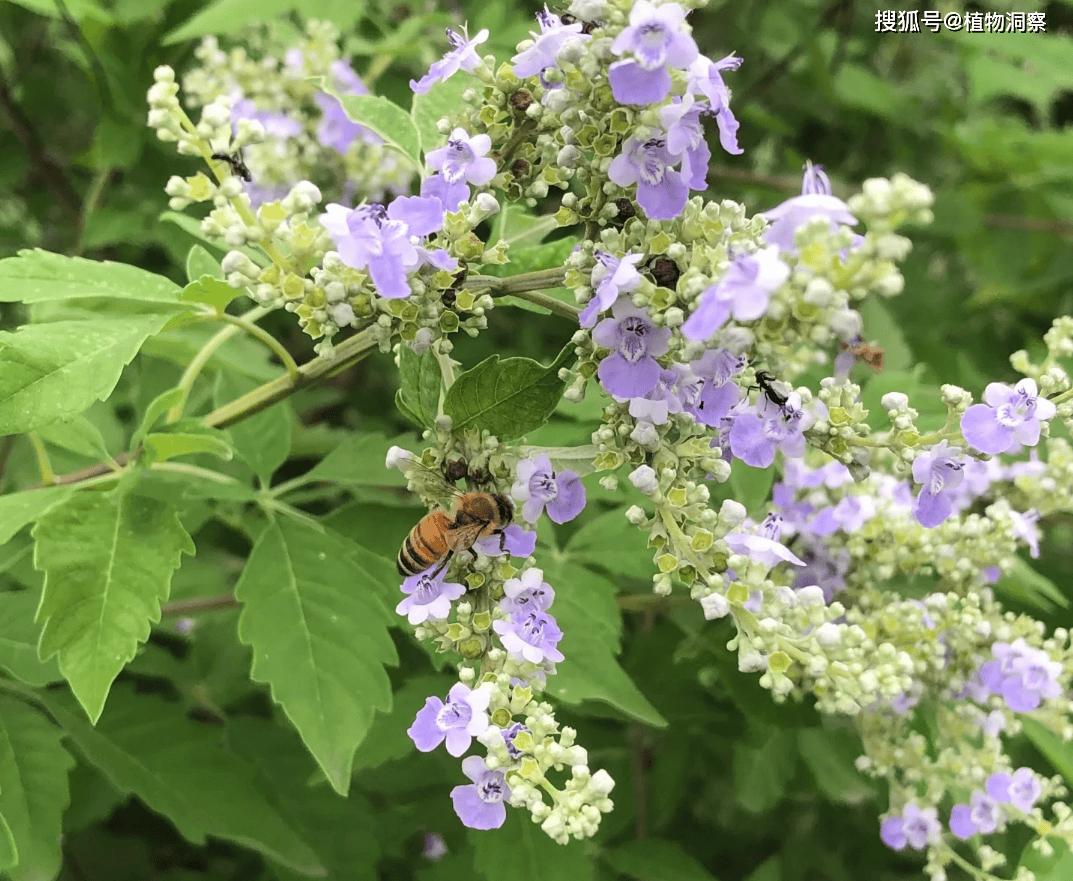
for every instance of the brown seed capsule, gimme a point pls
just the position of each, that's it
(625, 211)
(666, 272)
(520, 101)
(480, 476)
(455, 470)
(519, 168)
(448, 298)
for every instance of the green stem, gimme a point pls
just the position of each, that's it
(198, 604)
(537, 280)
(521, 133)
(265, 337)
(194, 368)
(44, 465)
(550, 303)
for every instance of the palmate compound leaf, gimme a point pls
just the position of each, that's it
(108, 564)
(319, 637)
(33, 789)
(52, 372)
(509, 397)
(180, 768)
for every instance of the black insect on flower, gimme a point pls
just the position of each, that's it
(237, 163)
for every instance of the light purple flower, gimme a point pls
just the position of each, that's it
(366, 238)
(481, 805)
(462, 56)
(1010, 417)
(527, 593)
(538, 487)
(764, 544)
(940, 471)
(463, 717)
(547, 44)
(449, 195)
(661, 190)
(1022, 675)
(849, 514)
(714, 394)
(655, 407)
(434, 848)
(744, 293)
(532, 636)
(815, 201)
(611, 277)
(429, 599)
(824, 567)
(685, 138)
(336, 129)
(706, 78)
(755, 436)
(656, 40)
(464, 159)
(916, 827)
(631, 370)
(276, 123)
(517, 542)
(509, 734)
(1022, 790)
(981, 816)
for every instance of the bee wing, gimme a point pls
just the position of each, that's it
(462, 537)
(429, 479)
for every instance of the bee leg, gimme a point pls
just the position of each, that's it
(502, 540)
(443, 564)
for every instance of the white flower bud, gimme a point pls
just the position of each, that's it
(397, 455)
(644, 478)
(342, 314)
(732, 513)
(894, 401)
(635, 515)
(715, 605)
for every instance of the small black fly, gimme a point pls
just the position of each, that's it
(237, 163)
(764, 384)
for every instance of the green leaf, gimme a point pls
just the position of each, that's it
(37, 275)
(519, 850)
(1025, 585)
(157, 408)
(52, 372)
(147, 746)
(830, 755)
(420, 384)
(163, 445)
(18, 509)
(750, 486)
(594, 542)
(262, 440)
(358, 461)
(319, 639)
(78, 435)
(654, 859)
(387, 739)
(509, 397)
(108, 565)
(209, 291)
(9, 854)
(1057, 752)
(384, 117)
(200, 262)
(1058, 866)
(240, 354)
(763, 770)
(229, 17)
(19, 636)
(33, 789)
(442, 101)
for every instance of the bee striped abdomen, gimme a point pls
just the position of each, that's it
(425, 545)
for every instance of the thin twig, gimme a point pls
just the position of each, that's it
(198, 604)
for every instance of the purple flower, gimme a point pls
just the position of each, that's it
(462, 56)
(449, 195)
(661, 191)
(655, 406)
(1010, 417)
(611, 277)
(480, 805)
(940, 472)
(631, 370)
(538, 486)
(532, 636)
(824, 568)
(916, 827)
(529, 593)
(815, 201)
(713, 394)
(744, 293)
(544, 51)
(982, 815)
(464, 159)
(336, 129)
(685, 138)
(458, 721)
(517, 542)
(509, 734)
(1023, 675)
(435, 848)
(429, 599)
(705, 78)
(366, 238)
(764, 544)
(849, 515)
(656, 39)
(1022, 790)
(755, 436)
(276, 123)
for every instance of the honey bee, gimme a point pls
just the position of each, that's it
(440, 534)
(869, 353)
(237, 163)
